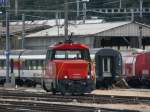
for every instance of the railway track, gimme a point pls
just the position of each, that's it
(89, 98)
(14, 106)
(17, 106)
(20, 101)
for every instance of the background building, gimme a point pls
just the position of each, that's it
(120, 35)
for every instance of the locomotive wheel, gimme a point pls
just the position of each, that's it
(19, 82)
(53, 89)
(63, 91)
(44, 87)
(77, 94)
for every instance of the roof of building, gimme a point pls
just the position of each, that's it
(38, 25)
(51, 22)
(16, 28)
(79, 29)
(121, 29)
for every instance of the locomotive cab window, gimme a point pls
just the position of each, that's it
(86, 54)
(49, 54)
(69, 54)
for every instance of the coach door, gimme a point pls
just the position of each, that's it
(106, 63)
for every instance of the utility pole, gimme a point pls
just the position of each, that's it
(56, 17)
(120, 6)
(140, 37)
(132, 15)
(66, 19)
(7, 52)
(23, 31)
(84, 11)
(16, 7)
(141, 9)
(57, 21)
(78, 8)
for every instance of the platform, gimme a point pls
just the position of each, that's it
(124, 92)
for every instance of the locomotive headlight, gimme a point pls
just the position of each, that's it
(65, 77)
(88, 76)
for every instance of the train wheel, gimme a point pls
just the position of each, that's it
(2, 81)
(44, 87)
(19, 82)
(77, 94)
(146, 84)
(53, 89)
(63, 91)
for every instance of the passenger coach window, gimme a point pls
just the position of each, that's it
(36, 64)
(26, 65)
(2, 64)
(30, 65)
(33, 65)
(40, 64)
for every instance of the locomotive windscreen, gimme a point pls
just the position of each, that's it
(68, 54)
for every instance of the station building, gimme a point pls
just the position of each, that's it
(119, 35)
(40, 34)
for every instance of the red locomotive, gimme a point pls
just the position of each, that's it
(137, 68)
(68, 69)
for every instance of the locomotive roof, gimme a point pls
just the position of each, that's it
(80, 29)
(69, 45)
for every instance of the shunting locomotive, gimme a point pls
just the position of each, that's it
(68, 69)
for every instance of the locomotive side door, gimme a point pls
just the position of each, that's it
(106, 65)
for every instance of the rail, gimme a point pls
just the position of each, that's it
(88, 98)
